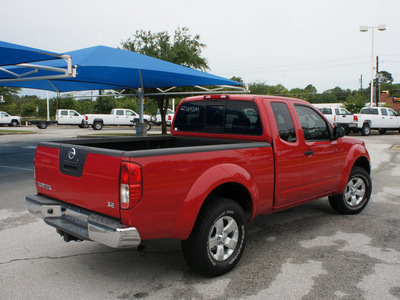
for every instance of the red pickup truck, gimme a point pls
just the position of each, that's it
(229, 159)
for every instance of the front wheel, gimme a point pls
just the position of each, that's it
(14, 123)
(218, 238)
(356, 195)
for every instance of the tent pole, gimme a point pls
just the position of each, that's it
(48, 109)
(140, 126)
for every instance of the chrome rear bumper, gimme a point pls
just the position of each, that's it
(83, 224)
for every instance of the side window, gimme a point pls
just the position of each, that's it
(73, 114)
(392, 113)
(314, 127)
(129, 113)
(119, 112)
(284, 122)
(64, 113)
(337, 111)
(384, 112)
(344, 112)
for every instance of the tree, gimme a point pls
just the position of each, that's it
(182, 49)
(9, 93)
(386, 77)
(340, 93)
(355, 102)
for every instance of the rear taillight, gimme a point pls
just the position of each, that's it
(130, 185)
(169, 118)
(87, 118)
(355, 118)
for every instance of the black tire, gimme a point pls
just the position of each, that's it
(42, 125)
(97, 125)
(148, 126)
(356, 194)
(382, 131)
(366, 129)
(214, 254)
(14, 123)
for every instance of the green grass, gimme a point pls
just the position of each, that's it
(10, 132)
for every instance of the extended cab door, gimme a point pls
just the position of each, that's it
(322, 160)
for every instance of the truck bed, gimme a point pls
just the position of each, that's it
(86, 172)
(149, 146)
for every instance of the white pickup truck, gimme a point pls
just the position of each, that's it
(118, 116)
(6, 119)
(379, 118)
(169, 116)
(339, 117)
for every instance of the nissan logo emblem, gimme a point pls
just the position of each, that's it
(71, 153)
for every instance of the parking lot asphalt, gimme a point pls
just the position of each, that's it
(308, 252)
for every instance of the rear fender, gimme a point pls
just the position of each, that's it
(201, 189)
(356, 155)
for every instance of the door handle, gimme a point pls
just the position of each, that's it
(309, 152)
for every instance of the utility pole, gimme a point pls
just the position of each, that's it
(361, 83)
(378, 82)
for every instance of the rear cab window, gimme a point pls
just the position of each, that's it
(236, 117)
(369, 111)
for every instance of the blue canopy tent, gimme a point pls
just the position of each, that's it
(100, 67)
(11, 54)
(103, 67)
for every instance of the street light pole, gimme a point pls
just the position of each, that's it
(365, 29)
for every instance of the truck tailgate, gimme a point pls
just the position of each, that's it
(80, 176)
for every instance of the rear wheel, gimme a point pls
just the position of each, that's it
(97, 125)
(218, 238)
(356, 195)
(366, 129)
(42, 125)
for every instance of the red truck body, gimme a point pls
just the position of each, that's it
(268, 170)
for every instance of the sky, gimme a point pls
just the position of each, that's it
(289, 42)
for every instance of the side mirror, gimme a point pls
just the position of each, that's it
(338, 132)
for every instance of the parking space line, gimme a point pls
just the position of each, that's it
(16, 168)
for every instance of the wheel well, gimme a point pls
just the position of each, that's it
(363, 162)
(367, 122)
(235, 192)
